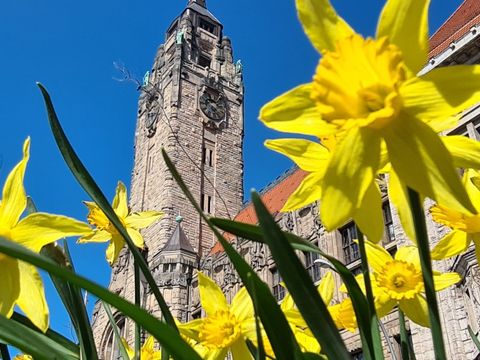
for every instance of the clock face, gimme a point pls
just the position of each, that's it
(213, 106)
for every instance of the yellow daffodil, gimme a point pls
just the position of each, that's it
(225, 327)
(365, 92)
(314, 158)
(147, 352)
(342, 314)
(105, 231)
(465, 227)
(398, 281)
(21, 282)
(23, 357)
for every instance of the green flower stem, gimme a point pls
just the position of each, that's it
(377, 341)
(426, 264)
(5, 355)
(403, 336)
(136, 271)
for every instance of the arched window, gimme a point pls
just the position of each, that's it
(110, 345)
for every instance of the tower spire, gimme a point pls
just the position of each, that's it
(202, 3)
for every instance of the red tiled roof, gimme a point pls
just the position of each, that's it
(456, 26)
(274, 198)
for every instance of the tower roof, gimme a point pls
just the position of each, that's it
(200, 7)
(178, 241)
(202, 3)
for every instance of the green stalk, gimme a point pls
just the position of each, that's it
(403, 336)
(4, 352)
(137, 303)
(377, 341)
(427, 273)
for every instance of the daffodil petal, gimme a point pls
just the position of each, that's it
(113, 250)
(32, 296)
(211, 296)
(405, 23)
(322, 24)
(434, 174)
(377, 256)
(10, 285)
(287, 303)
(128, 349)
(369, 216)
(242, 306)
(465, 151)
(408, 254)
(350, 172)
(140, 220)
(308, 155)
(215, 354)
(38, 229)
(295, 318)
(309, 191)
(416, 310)
(96, 236)
(295, 112)
(454, 243)
(191, 329)
(120, 201)
(398, 196)
(326, 287)
(136, 237)
(240, 350)
(384, 307)
(442, 93)
(14, 199)
(445, 280)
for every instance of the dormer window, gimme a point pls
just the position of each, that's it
(208, 26)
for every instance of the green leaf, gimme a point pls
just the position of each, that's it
(253, 232)
(88, 184)
(118, 338)
(276, 326)
(300, 285)
(474, 337)
(33, 342)
(165, 334)
(71, 296)
(53, 335)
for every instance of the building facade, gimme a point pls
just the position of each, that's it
(192, 105)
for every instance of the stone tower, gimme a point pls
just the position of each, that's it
(191, 104)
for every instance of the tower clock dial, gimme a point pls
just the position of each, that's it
(213, 106)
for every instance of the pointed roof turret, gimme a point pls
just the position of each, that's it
(178, 241)
(202, 3)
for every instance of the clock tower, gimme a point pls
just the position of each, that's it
(191, 104)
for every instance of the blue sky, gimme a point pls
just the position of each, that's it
(71, 47)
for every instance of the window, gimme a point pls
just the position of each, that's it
(206, 203)
(387, 220)
(112, 351)
(358, 355)
(277, 289)
(204, 61)
(197, 314)
(207, 25)
(207, 156)
(312, 268)
(350, 249)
